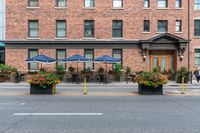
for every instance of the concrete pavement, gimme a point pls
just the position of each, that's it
(95, 89)
(138, 114)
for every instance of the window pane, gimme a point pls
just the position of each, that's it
(162, 26)
(89, 53)
(117, 3)
(89, 3)
(33, 28)
(162, 3)
(33, 66)
(61, 54)
(178, 26)
(117, 28)
(197, 5)
(61, 28)
(117, 53)
(146, 26)
(197, 27)
(146, 3)
(61, 3)
(178, 3)
(33, 3)
(89, 28)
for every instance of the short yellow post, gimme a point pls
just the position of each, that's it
(84, 87)
(183, 86)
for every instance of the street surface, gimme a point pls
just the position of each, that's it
(102, 114)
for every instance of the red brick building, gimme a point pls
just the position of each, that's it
(143, 33)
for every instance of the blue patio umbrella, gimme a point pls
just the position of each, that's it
(41, 59)
(76, 58)
(107, 59)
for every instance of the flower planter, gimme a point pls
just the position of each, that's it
(37, 89)
(150, 90)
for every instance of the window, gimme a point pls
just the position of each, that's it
(32, 53)
(117, 54)
(89, 28)
(197, 4)
(162, 25)
(33, 28)
(117, 28)
(89, 3)
(33, 3)
(117, 3)
(178, 3)
(89, 53)
(2, 56)
(162, 3)
(61, 3)
(197, 27)
(60, 55)
(146, 3)
(178, 25)
(146, 25)
(197, 57)
(60, 28)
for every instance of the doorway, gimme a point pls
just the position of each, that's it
(164, 60)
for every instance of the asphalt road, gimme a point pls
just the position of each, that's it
(138, 114)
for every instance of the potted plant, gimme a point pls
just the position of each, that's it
(151, 83)
(101, 74)
(43, 83)
(87, 73)
(183, 72)
(118, 72)
(60, 71)
(127, 73)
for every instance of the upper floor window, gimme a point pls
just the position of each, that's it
(178, 25)
(146, 25)
(146, 3)
(162, 3)
(89, 28)
(89, 3)
(197, 4)
(178, 3)
(117, 3)
(117, 28)
(33, 3)
(162, 26)
(61, 3)
(197, 27)
(33, 28)
(61, 28)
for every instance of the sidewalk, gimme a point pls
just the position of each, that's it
(96, 89)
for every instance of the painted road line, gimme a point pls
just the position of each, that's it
(58, 114)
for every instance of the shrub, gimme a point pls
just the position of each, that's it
(156, 70)
(60, 71)
(151, 79)
(100, 71)
(183, 72)
(71, 69)
(44, 79)
(117, 71)
(7, 69)
(87, 73)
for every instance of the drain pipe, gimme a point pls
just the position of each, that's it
(189, 35)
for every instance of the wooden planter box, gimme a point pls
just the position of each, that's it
(36, 89)
(150, 90)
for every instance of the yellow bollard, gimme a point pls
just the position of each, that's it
(84, 87)
(183, 86)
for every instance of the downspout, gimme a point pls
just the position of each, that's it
(189, 65)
